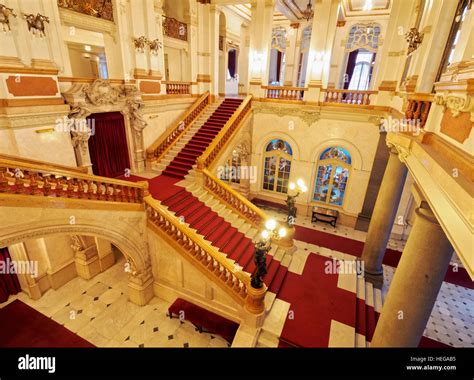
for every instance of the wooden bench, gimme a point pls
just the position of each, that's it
(325, 215)
(204, 320)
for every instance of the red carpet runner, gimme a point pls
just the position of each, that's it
(186, 158)
(23, 326)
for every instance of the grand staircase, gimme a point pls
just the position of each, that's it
(213, 224)
(204, 210)
(201, 137)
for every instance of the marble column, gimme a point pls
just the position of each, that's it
(383, 218)
(390, 66)
(260, 39)
(322, 39)
(192, 21)
(214, 14)
(415, 285)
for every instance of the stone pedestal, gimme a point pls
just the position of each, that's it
(255, 300)
(140, 288)
(416, 284)
(87, 263)
(383, 218)
(287, 242)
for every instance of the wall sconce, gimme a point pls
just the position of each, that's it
(155, 45)
(5, 14)
(140, 44)
(414, 39)
(36, 24)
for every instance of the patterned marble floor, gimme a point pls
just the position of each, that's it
(452, 317)
(98, 311)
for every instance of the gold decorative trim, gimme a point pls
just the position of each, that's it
(28, 70)
(92, 80)
(31, 102)
(387, 85)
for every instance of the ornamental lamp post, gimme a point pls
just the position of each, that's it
(262, 247)
(299, 188)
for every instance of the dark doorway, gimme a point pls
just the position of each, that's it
(108, 145)
(232, 62)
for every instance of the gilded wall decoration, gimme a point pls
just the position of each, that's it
(36, 24)
(279, 38)
(414, 39)
(175, 29)
(364, 36)
(96, 8)
(5, 14)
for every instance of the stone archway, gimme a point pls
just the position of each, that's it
(127, 233)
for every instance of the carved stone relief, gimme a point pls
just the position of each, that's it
(309, 116)
(103, 96)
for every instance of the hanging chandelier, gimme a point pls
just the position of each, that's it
(308, 13)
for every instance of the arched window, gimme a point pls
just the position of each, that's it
(276, 172)
(231, 170)
(331, 180)
(361, 48)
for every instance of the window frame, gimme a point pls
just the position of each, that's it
(334, 162)
(280, 154)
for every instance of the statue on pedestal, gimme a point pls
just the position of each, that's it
(260, 260)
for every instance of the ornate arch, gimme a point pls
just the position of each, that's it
(263, 142)
(102, 96)
(136, 254)
(356, 155)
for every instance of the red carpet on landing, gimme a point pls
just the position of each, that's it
(23, 326)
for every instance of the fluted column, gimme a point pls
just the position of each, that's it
(415, 285)
(383, 218)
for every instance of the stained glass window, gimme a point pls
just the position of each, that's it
(332, 175)
(277, 166)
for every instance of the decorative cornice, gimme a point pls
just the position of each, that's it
(307, 114)
(32, 120)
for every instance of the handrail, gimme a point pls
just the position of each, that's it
(359, 97)
(426, 97)
(199, 250)
(285, 88)
(178, 88)
(17, 177)
(215, 148)
(234, 199)
(162, 145)
(175, 82)
(47, 165)
(417, 108)
(284, 92)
